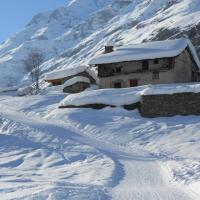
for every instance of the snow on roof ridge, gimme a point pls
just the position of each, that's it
(76, 79)
(147, 50)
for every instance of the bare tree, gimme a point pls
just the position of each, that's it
(32, 64)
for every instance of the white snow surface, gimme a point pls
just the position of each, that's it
(115, 97)
(147, 50)
(126, 96)
(27, 90)
(75, 33)
(172, 89)
(85, 154)
(75, 80)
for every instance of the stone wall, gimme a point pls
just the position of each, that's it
(169, 105)
(76, 88)
(99, 106)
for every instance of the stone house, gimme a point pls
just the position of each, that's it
(159, 62)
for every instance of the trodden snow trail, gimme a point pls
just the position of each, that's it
(141, 179)
(144, 180)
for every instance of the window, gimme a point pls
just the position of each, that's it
(145, 65)
(133, 82)
(170, 63)
(118, 85)
(155, 75)
(156, 61)
(118, 70)
(56, 82)
(193, 75)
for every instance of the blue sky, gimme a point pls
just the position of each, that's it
(15, 14)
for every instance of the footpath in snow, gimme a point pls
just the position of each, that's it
(145, 180)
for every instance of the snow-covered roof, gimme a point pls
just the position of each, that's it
(75, 80)
(148, 50)
(70, 71)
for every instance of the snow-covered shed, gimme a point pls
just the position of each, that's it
(158, 62)
(59, 77)
(76, 84)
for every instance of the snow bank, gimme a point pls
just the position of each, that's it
(115, 97)
(171, 89)
(7, 89)
(75, 80)
(148, 50)
(126, 96)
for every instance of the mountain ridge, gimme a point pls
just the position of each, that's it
(72, 34)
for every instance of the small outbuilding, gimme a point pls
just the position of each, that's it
(59, 77)
(76, 84)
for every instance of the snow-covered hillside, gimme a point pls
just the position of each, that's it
(74, 33)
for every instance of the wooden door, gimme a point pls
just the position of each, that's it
(133, 82)
(117, 85)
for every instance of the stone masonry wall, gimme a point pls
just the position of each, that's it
(169, 105)
(76, 88)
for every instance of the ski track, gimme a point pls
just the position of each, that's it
(134, 178)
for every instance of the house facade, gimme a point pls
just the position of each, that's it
(162, 62)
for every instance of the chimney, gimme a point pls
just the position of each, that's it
(109, 49)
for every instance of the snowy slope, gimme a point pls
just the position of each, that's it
(71, 35)
(85, 154)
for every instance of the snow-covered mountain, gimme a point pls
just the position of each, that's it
(72, 34)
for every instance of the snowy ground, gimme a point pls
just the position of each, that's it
(74, 154)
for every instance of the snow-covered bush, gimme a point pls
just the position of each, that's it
(25, 91)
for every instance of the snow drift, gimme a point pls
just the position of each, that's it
(126, 96)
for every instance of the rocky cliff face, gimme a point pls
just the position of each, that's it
(73, 34)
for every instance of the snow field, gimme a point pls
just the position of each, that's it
(40, 164)
(90, 154)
